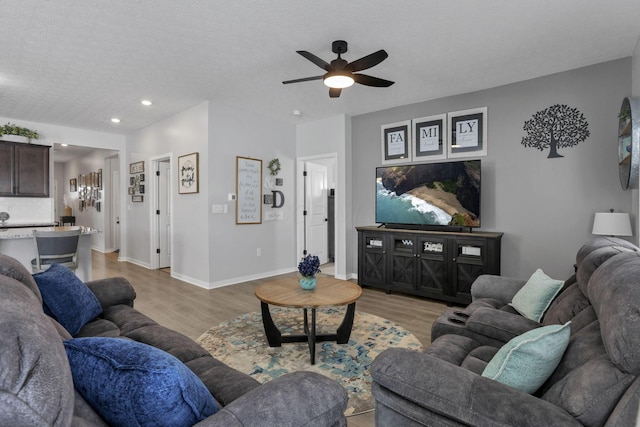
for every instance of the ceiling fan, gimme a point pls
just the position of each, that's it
(340, 73)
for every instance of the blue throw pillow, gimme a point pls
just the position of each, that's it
(66, 298)
(134, 384)
(528, 360)
(535, 297)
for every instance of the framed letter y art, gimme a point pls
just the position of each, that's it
(429, 138)
(468, 131)
(188, 174)
(395, 142)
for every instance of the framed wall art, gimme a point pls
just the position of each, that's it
(137, 167)
(248, 190)
(468, 133)
(429, 138)
(396, 147)
(73, 185)
(188, 174)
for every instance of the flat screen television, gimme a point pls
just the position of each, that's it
(427, 195)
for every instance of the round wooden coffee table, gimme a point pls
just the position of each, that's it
(286, 292)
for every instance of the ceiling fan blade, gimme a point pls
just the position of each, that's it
(318, 61)
(334, 92)
(306, 79)
(363, 79)
(367, 61)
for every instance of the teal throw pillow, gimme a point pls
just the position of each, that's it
(134, 384)
(535, 297)
(66, 298)
(528, 360)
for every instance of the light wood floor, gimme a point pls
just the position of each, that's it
(192, 310)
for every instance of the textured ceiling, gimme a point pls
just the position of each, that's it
(79, 63)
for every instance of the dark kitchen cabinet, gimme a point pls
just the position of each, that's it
(24, 170)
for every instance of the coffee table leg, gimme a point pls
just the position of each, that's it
(312, 336)
(344, 331)
(273, 334)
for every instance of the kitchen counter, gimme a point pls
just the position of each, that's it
(19, 244)
(13, 224)
(27, 232)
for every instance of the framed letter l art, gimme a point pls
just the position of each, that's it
(468, 131)
(396, 144)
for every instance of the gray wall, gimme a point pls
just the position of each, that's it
(544, 206)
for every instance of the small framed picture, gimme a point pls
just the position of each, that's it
(141, 177)
(132, 180)
(136, 167)
(73, 185)
(396, 147)
(132, 191)
(429, 137)
(188, 173)
(137, 198)
(468, 133)
(267, 199)
(141, 189)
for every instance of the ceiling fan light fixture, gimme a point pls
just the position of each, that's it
(338, 80)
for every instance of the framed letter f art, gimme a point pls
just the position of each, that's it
(396, 142)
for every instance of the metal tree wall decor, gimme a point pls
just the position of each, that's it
(558, 126)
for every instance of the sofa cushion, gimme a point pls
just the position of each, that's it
(66, 298)
(614, 293)
(528, 360)
(36, 388)
(533, 299)
(131, 383)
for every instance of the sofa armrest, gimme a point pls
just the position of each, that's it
(418, 380)
(498, 324)
(295, 399)
(112, 291)
(497, 287)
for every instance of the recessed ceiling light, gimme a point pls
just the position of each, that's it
(115, 120)
(64, 145)
(146, 102)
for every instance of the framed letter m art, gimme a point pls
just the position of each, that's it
(396, 145)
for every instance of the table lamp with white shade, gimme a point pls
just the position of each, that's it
(612, 224)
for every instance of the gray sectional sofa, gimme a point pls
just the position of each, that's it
(596, 381)
(37, 385)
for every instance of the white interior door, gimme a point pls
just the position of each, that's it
(316, 206)
(164, 218)
(115, 212)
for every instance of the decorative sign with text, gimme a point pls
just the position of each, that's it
(468, 133)
(249, 190)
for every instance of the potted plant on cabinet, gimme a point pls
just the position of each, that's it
(14, 133)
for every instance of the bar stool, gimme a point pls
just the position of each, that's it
(71, 220)
(60, 247)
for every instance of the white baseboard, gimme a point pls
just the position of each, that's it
(236, 280)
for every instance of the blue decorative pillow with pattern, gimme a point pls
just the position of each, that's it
(66, 298)
(134, 384)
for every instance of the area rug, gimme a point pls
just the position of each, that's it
(241, 344)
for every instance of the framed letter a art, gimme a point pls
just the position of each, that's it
(396, 146)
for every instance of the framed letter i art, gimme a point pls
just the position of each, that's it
(396, 146)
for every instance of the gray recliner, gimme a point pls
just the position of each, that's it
(596, 383)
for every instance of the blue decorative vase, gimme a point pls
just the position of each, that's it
(307, 283)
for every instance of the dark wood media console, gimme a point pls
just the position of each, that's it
(433, 264)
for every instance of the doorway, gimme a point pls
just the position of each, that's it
(316, 181)
(161, 210)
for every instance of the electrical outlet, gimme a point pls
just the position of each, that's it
(259, 252)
